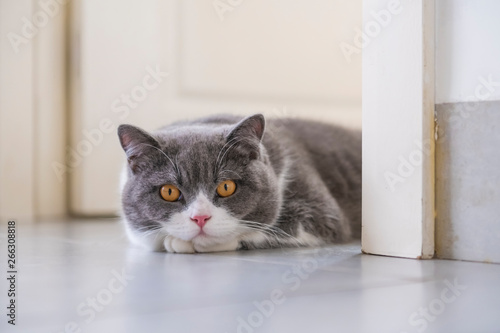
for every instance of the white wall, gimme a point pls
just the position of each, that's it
(468, 114)
(467, 50)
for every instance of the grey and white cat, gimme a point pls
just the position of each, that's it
(225, 183)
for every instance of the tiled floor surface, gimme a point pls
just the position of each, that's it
(82, 276)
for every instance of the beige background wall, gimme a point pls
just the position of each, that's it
(277, 57)
(32, 110)
(61, 93)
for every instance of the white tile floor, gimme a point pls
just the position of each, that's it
(67, 277)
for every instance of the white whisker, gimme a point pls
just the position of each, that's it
(274, 231)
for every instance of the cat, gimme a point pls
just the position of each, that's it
(224, 183)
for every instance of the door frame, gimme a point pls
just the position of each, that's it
(398, 128)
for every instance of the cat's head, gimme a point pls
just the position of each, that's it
(203, 182)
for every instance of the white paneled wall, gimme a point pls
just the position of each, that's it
(278, 57)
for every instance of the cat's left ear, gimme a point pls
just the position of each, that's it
(248, 133)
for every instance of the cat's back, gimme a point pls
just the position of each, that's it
(317, 140)
(327, 146)
(312, 133)
(324, 143)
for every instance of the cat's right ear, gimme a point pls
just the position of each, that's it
(247, 135)
(136, 143)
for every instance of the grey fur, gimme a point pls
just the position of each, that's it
(320, 194)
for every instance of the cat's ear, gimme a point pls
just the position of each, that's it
(248, 133)
(136, 143)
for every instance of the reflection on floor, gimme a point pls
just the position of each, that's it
(82, 276)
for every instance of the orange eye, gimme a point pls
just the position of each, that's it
(226, 188)
(170, 193)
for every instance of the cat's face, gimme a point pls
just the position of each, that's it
(205, 184)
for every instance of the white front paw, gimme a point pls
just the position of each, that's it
(176, 245)
(229, 246)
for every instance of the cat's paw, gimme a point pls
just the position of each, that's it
(229, 246)
(176, 245)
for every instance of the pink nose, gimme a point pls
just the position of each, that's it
(200, 220)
